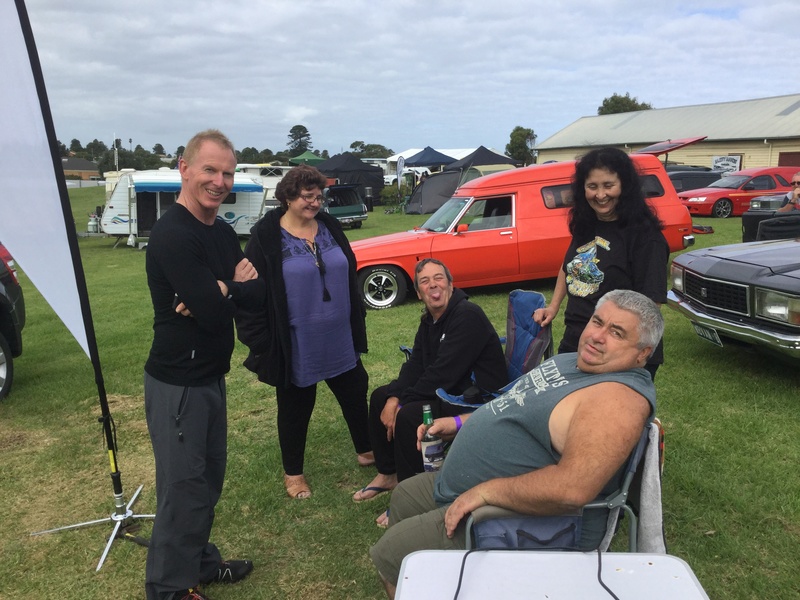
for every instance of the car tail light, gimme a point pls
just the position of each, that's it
(12, 271)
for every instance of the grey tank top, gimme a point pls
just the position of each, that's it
(510, 435)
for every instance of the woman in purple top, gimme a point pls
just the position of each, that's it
(312, 327)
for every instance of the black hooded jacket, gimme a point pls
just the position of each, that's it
(447, 352)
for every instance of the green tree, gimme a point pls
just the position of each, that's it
(62, 149)
(179, 152)
(75, 146)
(158, 149)
(361, 150)
(299, 140)
(140, 159)
(95, 149)
(249, 155)
(620, 104)
(520, 144)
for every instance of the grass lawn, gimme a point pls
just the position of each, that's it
(731, 484)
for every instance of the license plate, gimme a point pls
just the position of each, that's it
(707, 333)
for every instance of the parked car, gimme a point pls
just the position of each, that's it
(731, 195)
(501, 228)
(343, 202)
(12, 320)
(761, 209)
(742, 293)
(694, 179)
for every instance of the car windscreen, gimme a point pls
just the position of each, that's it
(731, 182)
(445, 215)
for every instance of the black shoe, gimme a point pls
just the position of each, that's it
(231, 571)
(191, 594)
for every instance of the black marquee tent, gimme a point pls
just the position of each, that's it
(481, 156)
(433, 192)
(428, 157)
(348, 169)
(439, 187)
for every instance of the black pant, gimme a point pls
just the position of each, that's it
(188, 430)
(295, 405)
(401, 455)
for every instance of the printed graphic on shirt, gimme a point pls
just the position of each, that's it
(542, 378)
(583, 275)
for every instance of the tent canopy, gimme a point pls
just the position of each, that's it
(433, 192)
(348, 169)
(428, 157)
(306, 158)
(481, 156)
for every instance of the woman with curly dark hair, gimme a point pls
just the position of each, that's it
(616, 244)
(313, 325)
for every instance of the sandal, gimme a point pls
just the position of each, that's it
(296, 486)
(365, 459)
(383, 520)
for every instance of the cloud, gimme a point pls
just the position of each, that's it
(407, 73)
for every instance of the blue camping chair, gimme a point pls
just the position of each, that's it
(526, 343)
(493, 527)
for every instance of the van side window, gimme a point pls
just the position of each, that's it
(651, 186)
(557, 196)
(489, 213)
(231, 199)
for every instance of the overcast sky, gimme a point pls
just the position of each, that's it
(402, 73)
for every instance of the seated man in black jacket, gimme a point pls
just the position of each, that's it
(454, 341)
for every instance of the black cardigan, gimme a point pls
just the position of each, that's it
(266, 331)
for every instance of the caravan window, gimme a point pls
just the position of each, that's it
(272, 171)
(231, 199)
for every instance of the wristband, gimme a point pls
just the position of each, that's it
(457, 419)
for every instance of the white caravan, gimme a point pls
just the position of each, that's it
(269, 175)
(141, 197)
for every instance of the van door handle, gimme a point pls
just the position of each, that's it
(506, 233)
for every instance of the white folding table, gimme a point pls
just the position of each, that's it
(497, 574)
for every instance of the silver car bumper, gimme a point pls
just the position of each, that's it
(782, 343)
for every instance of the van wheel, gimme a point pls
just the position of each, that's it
(722, 208)
(6, 367)
(382, 287)
(356, 224)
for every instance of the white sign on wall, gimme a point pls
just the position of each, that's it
(726, 163)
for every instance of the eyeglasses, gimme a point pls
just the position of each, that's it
(312, 198)
(796, 183)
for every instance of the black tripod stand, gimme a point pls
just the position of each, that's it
(125, 521)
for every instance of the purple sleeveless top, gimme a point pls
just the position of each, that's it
(322, 343)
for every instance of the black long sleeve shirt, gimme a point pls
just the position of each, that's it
(186, 257)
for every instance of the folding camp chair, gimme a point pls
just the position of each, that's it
(526, 342)
(494, 527)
